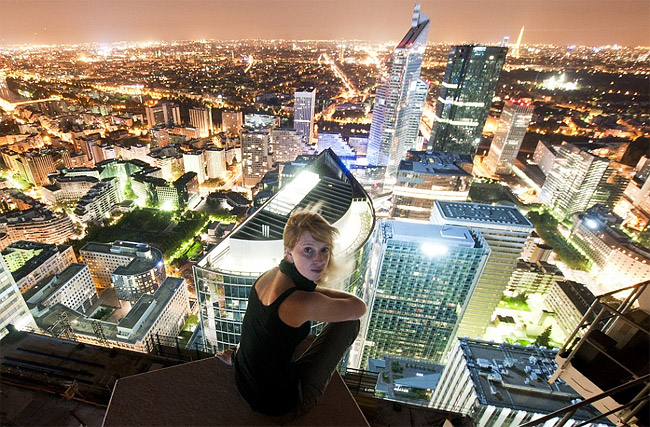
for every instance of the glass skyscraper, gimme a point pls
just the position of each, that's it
(399, 100)
(465, 97)
(224, 277)
(423, 276)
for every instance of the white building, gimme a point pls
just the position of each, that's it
(201, 118)
(67, 189)
(215, 159)
(303, 113)
(73, 287)
(287, 144)
(99, 200)
(13, 310)
(194, 161)
(509, 135)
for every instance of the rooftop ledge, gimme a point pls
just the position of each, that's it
(203, 393)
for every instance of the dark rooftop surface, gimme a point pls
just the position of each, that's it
(203, 393)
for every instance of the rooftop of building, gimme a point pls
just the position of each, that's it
(46, 252)
(579, 295)
(144, 257)
(436, 163)
(541, 267)
(432, 233)
(160, 299)
(512, 376)
(482, 214)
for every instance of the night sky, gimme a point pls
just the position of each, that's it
(564, 22)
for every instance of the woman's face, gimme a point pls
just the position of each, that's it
(310, 256)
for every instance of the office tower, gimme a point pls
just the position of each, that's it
(201, 118)
(506, 230)
(465, 97)
(509, 135)
(618, 259)
(423, 275)
(256, 155)
(13, 310)
(215, 159)
(194, 161)
(287, 144)
(133, 268)
(303, 113)
(609, 349)
(427, 176)
(504, 385)
(232, 121)
(73, 287)
(399, 100)
(579, 180)
(163, 113)
(224, 277)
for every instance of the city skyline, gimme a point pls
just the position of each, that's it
(564, 23)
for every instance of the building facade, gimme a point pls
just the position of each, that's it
(423, 277)
(506, 230)
(465, 97)
(13, 309)
(201, 119)
(73, 287)
(163, 113)
(256, 155)
(509, 135)
(534, 277)
(303, 113)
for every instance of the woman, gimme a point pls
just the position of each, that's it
(282, 303)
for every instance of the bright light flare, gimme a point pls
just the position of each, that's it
(434, 249)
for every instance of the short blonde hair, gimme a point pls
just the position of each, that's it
(316, 225)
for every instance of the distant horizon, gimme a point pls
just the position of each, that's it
(550, 22)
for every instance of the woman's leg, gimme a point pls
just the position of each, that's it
(316, 366)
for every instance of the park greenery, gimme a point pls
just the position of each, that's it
(519, 302)
(547, 228)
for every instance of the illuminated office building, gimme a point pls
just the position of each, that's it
(194, 161)
(509, 135)
(201, 119)
(506, 230)
(465, 97)
(423, 276)
(399, 100)
(303, 113)
(579, 180)
(256, 155)
(215, 159)
(426, 176)
(224, 277)
(232, 121)
(13, 309)
(287, 144)
(163, 113)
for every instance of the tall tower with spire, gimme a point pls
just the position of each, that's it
(515, 49)
(399, 100)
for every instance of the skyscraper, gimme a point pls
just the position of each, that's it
(163, 113)
(226, 274)
(303, 112)
(579, 180)
(465, 97)
(505, 229)
(399, 100)
(201, 118)
(256, 155)
(510, 133)
(423, 276)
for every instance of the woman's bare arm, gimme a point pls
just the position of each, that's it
(301, 307)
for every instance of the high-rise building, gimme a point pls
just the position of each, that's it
(509, 135)
(215, 158)
(34, 167)
(201, 118)
(423, 276)
(256, 155)
(534, 277)
(13, 310)
(399, 100)
(303, 113)
(506, 230)
(579, 180)
(232, 121)
(504, 385)
(73, 287)
(569, 302)
(224, 277)
(163, 113)
(287, 144)
(133, 268)
(426, 176)
(465, 97)
(194, 161)
(638, 190)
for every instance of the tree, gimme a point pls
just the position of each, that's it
(544, 338)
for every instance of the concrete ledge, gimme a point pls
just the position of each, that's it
(203, 393)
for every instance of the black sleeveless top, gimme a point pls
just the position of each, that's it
(264, 370)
